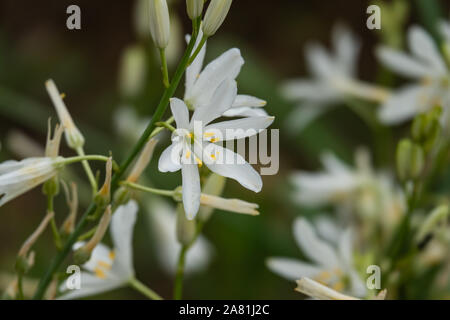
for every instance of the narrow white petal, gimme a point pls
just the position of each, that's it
(404, 104)
(191, 189)
(292, 269)
(100, 255)
(357, 286)
(221, 101)
(423, 46)
(193, 71)
(245, 112)
(169, 161)
(401, 63)
(237, 129)
(314, 248)
(345, 248)
(302, 116)
(310, 90)
(227, 66)
(122, 226)
(320, 63)
(243, 100)
(347, 48)
(232, 165)
(180, 113)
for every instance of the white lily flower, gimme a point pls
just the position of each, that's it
(330, 265)
(371, 194)
(201, 85)
(425, 65)
(333, 79)
(109, 269)
(162, 223)
(194, 143)
(18, 177)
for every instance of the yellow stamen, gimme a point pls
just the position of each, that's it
(104, 264)
(188, 154)
(213, 156)
(99, 273)
(209, 134)
(63, 95)
(199, 162)
(112, 255)
(214, 140)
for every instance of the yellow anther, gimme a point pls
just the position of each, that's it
(214, 140)
(209, 134)
(99, 273)
(112, 255)
(104, 265)
(188, 154)
(213, 156)
(199, 162)
(338, 286)
(63, 95)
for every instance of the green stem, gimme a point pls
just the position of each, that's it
(21, 296)
(56, 236)
(88, 170)
(160, 110)
(178, 290)
(164, 69)
(71, 160)
(142, 288)
(135, 186)
(199, 48)
(159, 129)
(166, 125)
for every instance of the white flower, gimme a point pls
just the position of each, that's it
(194, 143)
(162, 222)
(201, 85)
(109, 269)
(370, 193)
(330, 265)
(215, 15)
(427, 67)
(333, 79)
(18, 177)
(159, 22)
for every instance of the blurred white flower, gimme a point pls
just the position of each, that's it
(330, 264)
(109, 269)
(372, 194)
(201, 85)
(194, 143)
(18, 177)
(162, 221)
(333, 79)
(426, 66)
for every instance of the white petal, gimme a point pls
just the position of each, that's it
(327, 229)
(243, 100)
(232, 165)
(315, 91)
(90, 285)
(191, 189)
(345, 248)
(313, 247)
(169, 161)
(292, 269)
(227, 66)
(237, 129)
(122, 226)
(444, 29)
(334, 165)
(320, 62)
(303, 116)
(357, 286)
(245, 112)
(193, 71)
(180, 113)
(101, 254)
(404, 104)
(221, 101)
(347, 48)
(402, 63)
(423, 46)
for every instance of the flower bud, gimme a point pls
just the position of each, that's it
(74, 137)
(434, 219)
(103, 196)
(215, 15)
(194, 8)
(52, 145)
(72, 202)
(214, 185)
(143, 161)
(186, 229)
(159, 22)
(410, 160)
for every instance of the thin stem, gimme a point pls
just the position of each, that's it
(159, 129)
(88, 170)
(178, 290)
(71, 160)
(56, 236)
(21, 296)
(164, 69)
(135, 186)
(142, 288)
(160, 110)
(165, 125)
(199, 48)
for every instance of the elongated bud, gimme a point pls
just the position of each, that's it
(214, 186)
(233, 205)
(159, 22)
(215, 16)
(143, 161)
(132, 71)
(319, 291)
(435, 218)
(186, 229)
(83, 254)
(410, 160)
(23, 252)
(72, 202)
(103, 196)
(194, 8)
(52, 145)
(74, 137)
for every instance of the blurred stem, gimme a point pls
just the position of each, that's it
(160, 110)
(142, 288)
(178, 290)
(20, 286)
(164, 69)
(88, 170)
(56, 235)
(135, 186)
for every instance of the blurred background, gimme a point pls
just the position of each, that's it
(35, 45)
